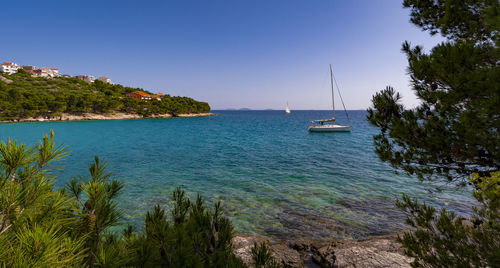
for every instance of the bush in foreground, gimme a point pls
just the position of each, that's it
(44, 227)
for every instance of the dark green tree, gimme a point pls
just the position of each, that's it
(34, 220)
(453, 133)
(30, 96)
(262, 257)
(193, 236)
(96, 211)
(44, 227)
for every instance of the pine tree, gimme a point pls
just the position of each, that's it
(452, 134)
(454, 131)
(96, 212)
(193, 236)
(34, 218)
(44, 227)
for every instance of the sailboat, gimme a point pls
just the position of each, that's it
(287, 110)
(328, 125)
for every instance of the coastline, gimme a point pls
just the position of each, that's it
(375, 251)
(108, 116)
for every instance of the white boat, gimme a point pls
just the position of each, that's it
(287, 110)
(328, 125)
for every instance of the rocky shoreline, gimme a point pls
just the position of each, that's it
(93, 116)
(378, 251)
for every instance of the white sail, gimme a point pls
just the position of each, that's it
(328, 125)
(287, 110)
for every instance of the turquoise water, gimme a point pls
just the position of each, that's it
(274, 177)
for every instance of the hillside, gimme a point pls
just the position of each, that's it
(28, 96)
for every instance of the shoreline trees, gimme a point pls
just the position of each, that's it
(453, 134)
(28, 96)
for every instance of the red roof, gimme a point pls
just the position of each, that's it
(142, 93)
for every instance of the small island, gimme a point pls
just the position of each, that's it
(28, 96)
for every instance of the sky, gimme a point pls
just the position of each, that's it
(256, 54)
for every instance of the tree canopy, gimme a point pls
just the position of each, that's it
(454, 132)
(30, 96)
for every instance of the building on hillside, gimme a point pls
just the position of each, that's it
(139, 95)
(104, 79)
(87, 78)
(28, 68)
(159, 96)
(50, 72)
(9, 67)
(34, 73)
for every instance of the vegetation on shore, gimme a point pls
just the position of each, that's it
(44, 227)
(28, 96)
(453, 135)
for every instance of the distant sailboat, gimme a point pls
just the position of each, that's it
(328, 125)
(287, 110)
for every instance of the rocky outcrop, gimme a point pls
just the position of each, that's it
(243, 244)
(286, 256)
(8, 81)
(380, 251)
(323, 255)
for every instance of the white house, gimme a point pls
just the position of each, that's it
(9, 67)
(50, 72)
(88, 78)
(105, 79)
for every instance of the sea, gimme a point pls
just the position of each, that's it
(272, 176)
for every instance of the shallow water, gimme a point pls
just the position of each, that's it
(273, 177)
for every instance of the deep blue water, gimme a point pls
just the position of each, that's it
(273, 176)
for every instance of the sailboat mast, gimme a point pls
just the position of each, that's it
(333, 100)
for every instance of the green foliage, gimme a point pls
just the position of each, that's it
(34, 218)
(94, 207)
(37, 96)
(194, 236)
(262, 257)
(43, 227)
(453, 133)
(473, 20)
(445, 240)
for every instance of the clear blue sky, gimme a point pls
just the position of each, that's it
(232, 54)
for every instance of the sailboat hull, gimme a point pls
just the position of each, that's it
(330, 128)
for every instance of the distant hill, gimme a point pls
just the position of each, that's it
(23, 96)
